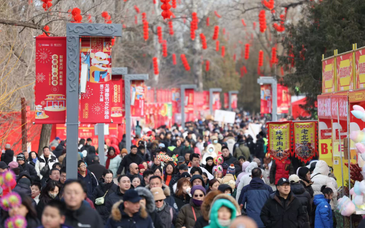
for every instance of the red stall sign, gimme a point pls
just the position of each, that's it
(266, 99)
(50, 83)
(324, 106)
(189, 101)
(339, 107)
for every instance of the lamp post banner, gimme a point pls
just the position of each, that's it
(234, 99)
(50, 83)
(226, 100)
(266, 99)
(138, 90)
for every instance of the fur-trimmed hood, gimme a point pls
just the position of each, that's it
(230, 198)
(150, 202)
(207, 202)
(118, 210)
(166, 190)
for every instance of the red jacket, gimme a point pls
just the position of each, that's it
(280, 169)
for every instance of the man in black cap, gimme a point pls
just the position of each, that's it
(283, 209)
(129, 210)
(24, 167)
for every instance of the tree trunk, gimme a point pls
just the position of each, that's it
(45, 137)
(197, 62)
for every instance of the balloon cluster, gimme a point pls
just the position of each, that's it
(193, 25)
(164, 48)
(47, 4)
(155, 65)
(274, 58)
(281, 27)
(171, 28)
(216, 32)
(207, 65)
(145, 30)
(9, 201)
(163, 157)
(268, 4)
(204, 41)
(159, 34)
(217, 15)
(76, 15)
(247, 51)
(262, 21)
(185, 62)
(166, 13)
(136, 9)
(174, 59)
(261, 58)
(217, 46)
(16, 222)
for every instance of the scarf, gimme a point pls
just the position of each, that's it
(35, 160)
(110, 157)
(161, 208)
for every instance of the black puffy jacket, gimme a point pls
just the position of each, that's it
(100, 191)
(111, 199)
(83, 217)
(303, 196)
(7, 156)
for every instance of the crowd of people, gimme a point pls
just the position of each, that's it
(203, 175)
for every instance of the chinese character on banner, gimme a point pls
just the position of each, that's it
(50, 83)
(266, 99)
(305, 140)
(117, 102)
(137, 98)
(234, 100)
(279, 140)
(95, 103)
(226, 100)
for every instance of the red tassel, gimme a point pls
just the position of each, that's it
(208, 21)
(247, 51)
(216, 14)
(261, 58)
(159, 34)
(223, 51)
(204, 41)
(174, 59)
(207, 65)
(145, 30)
(171, 28)
(217, 45)
(185, 62)
(216, 32)
(155, 65)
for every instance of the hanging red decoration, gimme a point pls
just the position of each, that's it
(234, 57)
(217, 46)
(76, 15)
(164, 48)
(144, 17)
(281, 27)
(208, 21)
(223, 51)
(166, 13)
(145, 30)
(268, 4)
(262, 21)
(247, 51)
(243, 22)
(46, 4)
(106, 17)
(254, 25)
(185, 62)
(261, 58)
(282, 71)
(174, 59)
(154, 1)
(136, 9)
(242, 71)
(155, 65)
(159, 34)
(216, 32)
(207, 65)
(274, 59)
(89, 18)
(113, 41)
(174, 4)
(217, 15)
(204, 41)
(193, 25)
(171, 28)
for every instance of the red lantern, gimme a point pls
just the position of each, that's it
(281, 27)
(204, 41)
(217, 46)
(247, 51)
(46, 28)
(144, 17)
(155, 65)
(185, 62)
(171, 28)
(174, 4)
(145, 30)
(136, 9)
(216, 14)
(216, 32)
(193, 25)
(136, 19)
(174, 59)
(223, 51)
(208, 21)
(164, 48)
(159, 34)
(243, 22)
(268, 4)
(254, 25)
(273, 55)
(166, 13)
(261, 58)
(262, 21)
(207, 65)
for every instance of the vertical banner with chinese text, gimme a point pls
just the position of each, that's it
(266, 99)
(234, 99)
(328, 76)
(283, 99)
(50, 83)
(305, 140)
(137, 98)
(345, 72)
(279, 144)
(217, 101)
(360, 68)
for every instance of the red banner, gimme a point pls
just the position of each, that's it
(217, 101)
(266, 99)
(226, 100)
(95, 103)
(117, 101)
(234, 99)
(50, 85)
(189, 101)
(283, 99)
(324, 106)
(305, 140)
(138, 94)
(339, 102)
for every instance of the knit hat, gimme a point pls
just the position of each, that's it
(7, 146)
(196, 177)
(20, 157)
(231, 170)
(158, 193)
(124, 151)
(209, 158)
(185, 174)
(13, 165)
(197, 187)
(302, 172)
(140, 166)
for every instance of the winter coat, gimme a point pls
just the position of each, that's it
(59, 149)
(169, 198)
(150, 206)
(216, 205)
(42, 162)
(180, 201)
(119, 218)
(186, 215)
(167, 215)
(100, 191)
(323, 218)
(7, 156)
(280, 169)
(127, 160)
(217, 146)
(278, 212)
(307, 186)
(114, 164)
(97, 170)
(83, 217)
(243, 172)
(30, 170)
(245, 179)
(90, 182)
(122, 144)
(228, 161)
(259, 148)
(112, 198)
(255, 196)
(303, 196)
(320, 177)
(201, 222)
